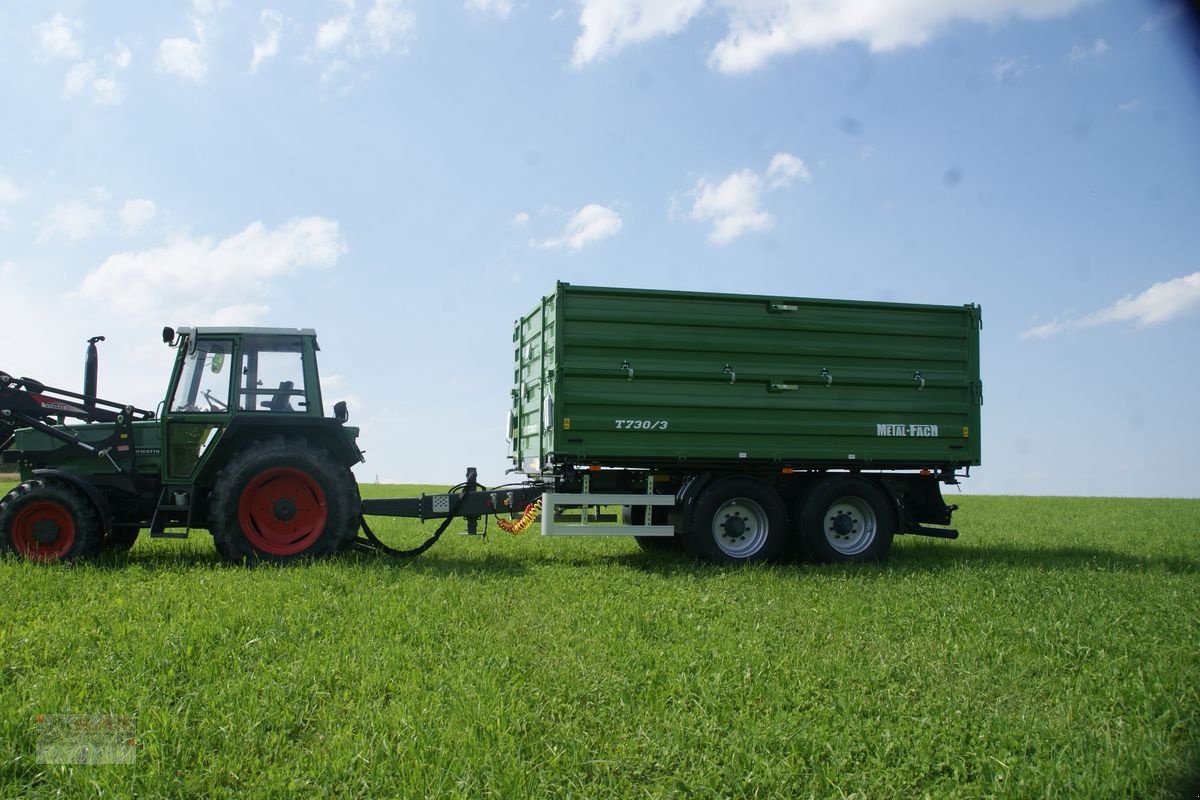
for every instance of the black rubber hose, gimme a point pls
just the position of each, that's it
(373, 544)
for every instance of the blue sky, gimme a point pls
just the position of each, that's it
(409, 176)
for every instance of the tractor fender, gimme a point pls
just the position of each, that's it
(88, 488)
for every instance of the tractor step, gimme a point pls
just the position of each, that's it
(168, 534)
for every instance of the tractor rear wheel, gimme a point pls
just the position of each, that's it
(119, 541)
(48, 521)
(281, 500)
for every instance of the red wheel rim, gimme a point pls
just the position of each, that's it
(282, 511)
(55, 525)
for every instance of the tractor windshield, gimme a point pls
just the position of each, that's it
(204, 382)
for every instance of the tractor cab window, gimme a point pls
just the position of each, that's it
(204, 382)
(272, 375)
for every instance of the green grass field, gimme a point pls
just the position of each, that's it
(1053, 651)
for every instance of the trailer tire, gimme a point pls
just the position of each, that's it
(281, 500)
(846, 519)
(661, 515)
(737, 520)
(48, 521)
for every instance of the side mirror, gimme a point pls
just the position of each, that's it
(168, 335)
(341, 412)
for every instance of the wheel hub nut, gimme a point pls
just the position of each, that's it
(734, 526)
(284, 510)
(843, 524)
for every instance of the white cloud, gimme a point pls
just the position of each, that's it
(84, 78)
(72, 221)
(267, 47)
(57, 37)
(1166, 15)
(209, 282)
(1009, 70)
(520, 219)
(759, 30)
(210, 6)
(136, 214)
(735, 205)
(121, 56)
(187, 57)
(1081, 53)
(107, 92)
(1160, 303)
(588, 225)
(9, 191)
(79, 78)
(389, 25)
(333, 32)
(1130, 105)
(610, 25)
(351, 39)
(496, 8)
(183, 57)
(785, 169)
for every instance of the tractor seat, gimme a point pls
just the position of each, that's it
(282, 400)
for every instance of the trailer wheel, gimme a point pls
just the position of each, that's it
(846, 519)
(737, 520)
(661, 515)
(49, 521)
(280, 500)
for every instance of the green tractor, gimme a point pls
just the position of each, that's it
(240, 446)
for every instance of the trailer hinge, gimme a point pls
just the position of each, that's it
(977, 392)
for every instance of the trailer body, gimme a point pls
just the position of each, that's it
(745, 427)
(639, 378)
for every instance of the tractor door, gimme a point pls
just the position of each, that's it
(273, 377)
(198, 407)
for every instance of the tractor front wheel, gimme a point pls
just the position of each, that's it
(48, 521)
(280, 500)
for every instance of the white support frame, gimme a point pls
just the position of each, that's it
(555, 500)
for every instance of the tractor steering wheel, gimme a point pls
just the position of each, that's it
(213, 403)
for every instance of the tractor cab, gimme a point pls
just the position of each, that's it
(232, 381)
(247, 369)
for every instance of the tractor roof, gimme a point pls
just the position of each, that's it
(231, 331)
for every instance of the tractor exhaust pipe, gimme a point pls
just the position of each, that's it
(91, 368)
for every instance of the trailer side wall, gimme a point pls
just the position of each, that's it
(621, 377)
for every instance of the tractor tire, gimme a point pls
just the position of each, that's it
(662, 515)
(846, 519)
(737, 520)
(119, 541)
(281, 500)
(49, 521)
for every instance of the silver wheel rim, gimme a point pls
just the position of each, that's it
(850, 525)
(740, 527)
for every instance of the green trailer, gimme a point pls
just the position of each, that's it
(745, 426)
